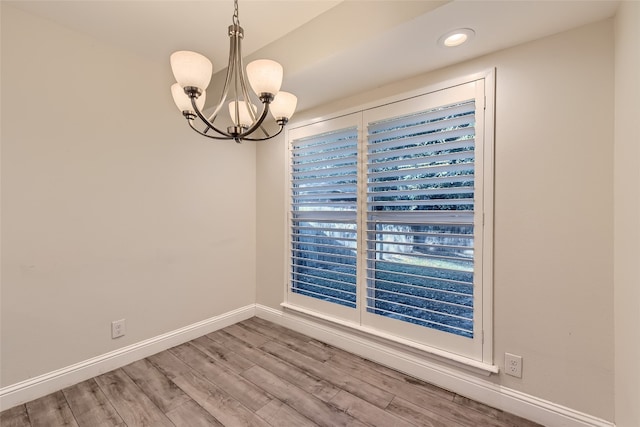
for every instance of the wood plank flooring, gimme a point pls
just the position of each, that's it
(255, 373)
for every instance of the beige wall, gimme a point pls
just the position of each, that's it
(627, 216)
(111, 207)
(553, 284)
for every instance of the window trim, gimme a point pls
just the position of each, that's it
(487, 128)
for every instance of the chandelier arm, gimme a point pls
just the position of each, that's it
(245, 94)
(243, 86)
(254, 118)
(264, 131)
(239, 74)
(256, 125)
(204, 119)
(227, 80)
(222, 138)
(268, 136)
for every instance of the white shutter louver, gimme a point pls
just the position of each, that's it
(420, 218)
(323, 217)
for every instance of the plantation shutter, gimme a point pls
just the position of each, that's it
(421, 217)
(324, 174)
(387, 228)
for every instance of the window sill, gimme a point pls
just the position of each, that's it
(398, 343)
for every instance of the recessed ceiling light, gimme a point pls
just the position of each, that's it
(456, 37)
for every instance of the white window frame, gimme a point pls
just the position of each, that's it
(482, 355)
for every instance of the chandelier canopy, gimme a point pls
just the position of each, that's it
(193, 73)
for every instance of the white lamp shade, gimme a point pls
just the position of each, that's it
(245, 116)
(183, 102)
(265, 76)
(283, 105)
(191, 69)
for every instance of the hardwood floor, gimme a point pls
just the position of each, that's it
(255, 373)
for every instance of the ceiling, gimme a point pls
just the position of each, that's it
(329, 48)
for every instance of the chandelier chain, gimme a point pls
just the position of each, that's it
(236, 19)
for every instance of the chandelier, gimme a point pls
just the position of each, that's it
(193, 74)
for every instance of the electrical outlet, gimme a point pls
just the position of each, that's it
(118, 328)
(513, 365)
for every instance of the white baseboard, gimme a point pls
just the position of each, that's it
(42, 385)
(456, 380)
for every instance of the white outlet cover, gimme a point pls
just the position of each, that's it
(513, 365)
(118, 328)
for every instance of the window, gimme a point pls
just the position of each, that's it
(324, 176)
(324, 200)
(394, 233)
